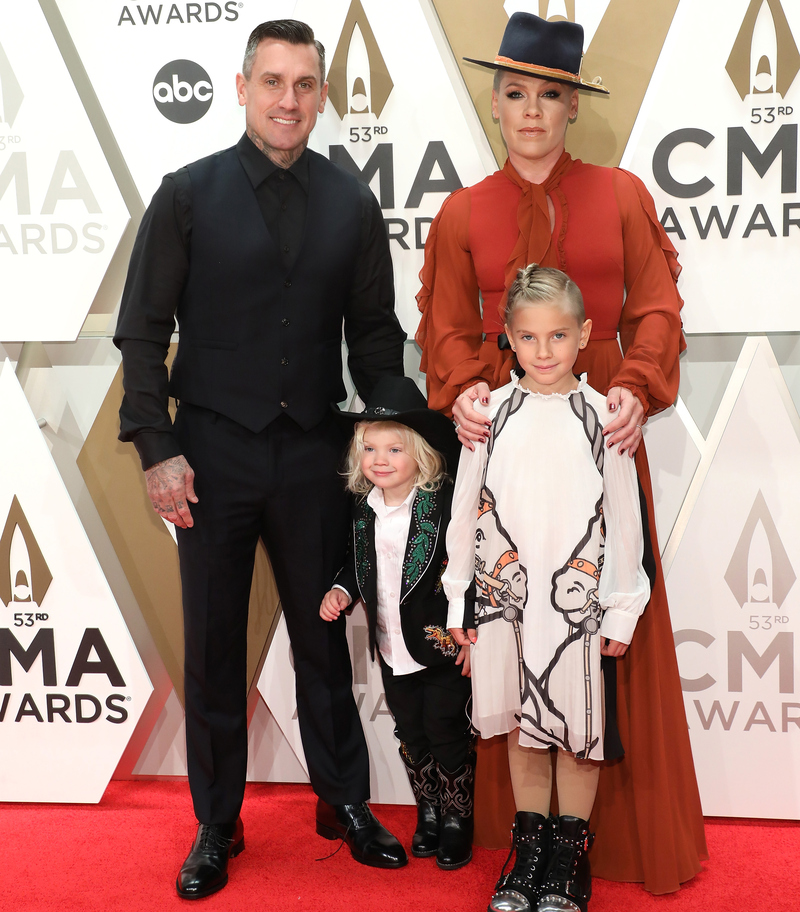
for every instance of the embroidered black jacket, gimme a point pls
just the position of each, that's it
(423, 604)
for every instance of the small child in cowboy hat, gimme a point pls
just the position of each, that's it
(397, 466)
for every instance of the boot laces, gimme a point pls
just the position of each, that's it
(563, 861)
(526, 867)
(529, 860)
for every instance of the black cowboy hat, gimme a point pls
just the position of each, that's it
(547, 50)
(399, 399)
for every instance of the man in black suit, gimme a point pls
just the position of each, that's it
(262, 252)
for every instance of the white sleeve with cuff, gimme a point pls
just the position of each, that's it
(460, 569)
(624, 588)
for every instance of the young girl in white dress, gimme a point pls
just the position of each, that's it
(546, 522)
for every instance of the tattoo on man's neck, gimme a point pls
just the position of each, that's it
(283, 158)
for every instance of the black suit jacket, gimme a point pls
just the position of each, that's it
(423, 603)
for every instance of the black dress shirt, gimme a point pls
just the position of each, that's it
(159, 268)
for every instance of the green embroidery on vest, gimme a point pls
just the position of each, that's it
(423, 540)
(362, 543)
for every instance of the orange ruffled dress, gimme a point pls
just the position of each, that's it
(608, 239)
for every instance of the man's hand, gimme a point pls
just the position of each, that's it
(333, 604)
(470, 424)
(625, 431)
(170, 487)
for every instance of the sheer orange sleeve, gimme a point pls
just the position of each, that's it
(450, 332)
(650, 327)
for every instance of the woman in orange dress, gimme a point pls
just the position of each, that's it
(599, 225)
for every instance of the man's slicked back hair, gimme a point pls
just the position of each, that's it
(292, 31)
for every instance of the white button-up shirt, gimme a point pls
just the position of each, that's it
(391, 536)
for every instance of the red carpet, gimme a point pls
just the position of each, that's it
(125, 852)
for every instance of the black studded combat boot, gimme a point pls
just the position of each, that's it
(567, 884)
(518, 891)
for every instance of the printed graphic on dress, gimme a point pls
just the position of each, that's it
(501, 581)
(574, 590)
(574, 595)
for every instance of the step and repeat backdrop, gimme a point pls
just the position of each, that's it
(99, 98)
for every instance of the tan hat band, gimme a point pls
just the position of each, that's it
(532, 68)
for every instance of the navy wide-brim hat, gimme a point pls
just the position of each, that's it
(399, 399)
(546, 50)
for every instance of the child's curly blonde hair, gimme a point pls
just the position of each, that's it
(430, 463)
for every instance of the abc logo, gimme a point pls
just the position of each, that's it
(182, 91)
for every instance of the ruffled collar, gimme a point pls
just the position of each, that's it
(582, 384)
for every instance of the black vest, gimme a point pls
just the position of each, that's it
(258, 340)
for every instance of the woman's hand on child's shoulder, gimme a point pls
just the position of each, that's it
(333, 604)
(470, 424)
(625, 431)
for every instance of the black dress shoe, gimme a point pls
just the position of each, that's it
(368, 841)
(206, 867)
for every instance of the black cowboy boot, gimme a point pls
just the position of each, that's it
(518, 891)
(457, 791)
(425, 785)
(567, 884)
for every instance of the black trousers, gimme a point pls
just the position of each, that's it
(431, 712)
(280, 485)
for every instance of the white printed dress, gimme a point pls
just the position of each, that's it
(547, 523)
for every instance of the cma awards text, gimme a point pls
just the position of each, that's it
(740, 147)
(775, 657)
(92, 657)
(185, 14)
(436, 174)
